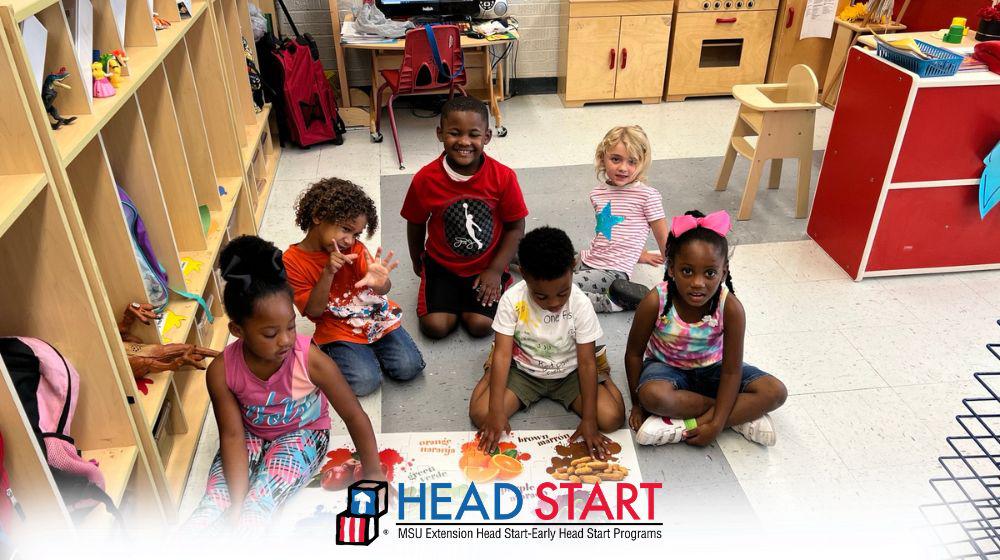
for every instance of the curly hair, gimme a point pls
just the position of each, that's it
(252, 269)
(336, 201)
(636, 144)
(546, 253)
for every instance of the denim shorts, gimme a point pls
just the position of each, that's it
(704, 381)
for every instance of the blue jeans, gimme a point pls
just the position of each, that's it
(704, 381)
(395, 355)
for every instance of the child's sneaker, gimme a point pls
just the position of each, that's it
(625, 294)
(657, 430)
(759, 431)
(603, 366)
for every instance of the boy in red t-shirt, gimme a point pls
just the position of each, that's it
(465, 215)
(341, 288)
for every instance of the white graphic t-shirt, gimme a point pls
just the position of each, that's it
(545, 342)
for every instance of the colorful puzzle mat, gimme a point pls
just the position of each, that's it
(523, 459)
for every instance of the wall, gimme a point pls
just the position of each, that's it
(539, 20)
(931, 15)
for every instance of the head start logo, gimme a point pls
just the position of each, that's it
(367, 501)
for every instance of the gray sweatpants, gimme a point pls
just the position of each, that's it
(595, 283)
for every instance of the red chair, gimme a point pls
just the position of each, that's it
(418, 73)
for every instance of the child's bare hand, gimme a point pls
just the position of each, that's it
(378, 270)
(702, 435)
(493, 429)
(637, 417)
(488, 286)
(595, 441)
(648, 257)
(338, 260)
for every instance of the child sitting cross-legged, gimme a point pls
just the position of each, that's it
(546, 331)
(684, 357)
(342, 288)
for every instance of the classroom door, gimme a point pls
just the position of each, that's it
(642, 56)
(591, 69)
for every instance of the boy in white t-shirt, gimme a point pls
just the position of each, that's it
(546, 334)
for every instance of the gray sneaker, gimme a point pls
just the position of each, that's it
(627, 295)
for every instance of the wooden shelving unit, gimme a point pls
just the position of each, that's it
(47, 296)
(182, 138)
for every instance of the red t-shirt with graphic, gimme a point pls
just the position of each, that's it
(465, 219)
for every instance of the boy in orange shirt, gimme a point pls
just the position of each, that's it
(341, 288)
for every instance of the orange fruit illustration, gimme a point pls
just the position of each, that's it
(474, 459)
(509, 467)
(481, 474)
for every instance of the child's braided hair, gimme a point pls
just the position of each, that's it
(695, 234)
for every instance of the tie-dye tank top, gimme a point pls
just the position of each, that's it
(684, 345)
(286, 402)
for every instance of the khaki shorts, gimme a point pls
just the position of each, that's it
(530, 389)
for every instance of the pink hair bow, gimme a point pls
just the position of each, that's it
(718, 222)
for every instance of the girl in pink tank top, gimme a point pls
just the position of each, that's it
(270, 390)
(684, 357)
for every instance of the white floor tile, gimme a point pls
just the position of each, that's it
(870, 428)
(985, 284)
(800, 449)
(915, 354)
(937, 404)
(754, 265)
(939, 298)
(298, 164)
(805, 261)
(811, 362)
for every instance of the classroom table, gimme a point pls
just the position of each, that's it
(898, 192)
(494, 94)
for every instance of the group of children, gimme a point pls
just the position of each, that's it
(465, 217)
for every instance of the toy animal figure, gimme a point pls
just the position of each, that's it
(120, 57)
(49, 93)
(113, 69)
(102, 86)
(151, 358)
(159, 23)
(856, 12)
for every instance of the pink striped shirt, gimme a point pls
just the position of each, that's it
(632, 207)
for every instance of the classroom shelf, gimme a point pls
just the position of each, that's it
(71, 139)
(265, 193)
(152, 402)
(254, 133)
(194, 394)
(18, 192)
(116, 465)
(24, 8)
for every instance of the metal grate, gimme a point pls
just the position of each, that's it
(966, 520)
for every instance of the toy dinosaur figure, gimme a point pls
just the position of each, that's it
(49, 93)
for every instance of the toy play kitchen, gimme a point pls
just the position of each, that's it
(718, 44)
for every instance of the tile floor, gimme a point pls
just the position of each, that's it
(876, 370)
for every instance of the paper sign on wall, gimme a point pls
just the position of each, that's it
(35, 36)
(84, 33)
(118, 8)
(989, 184)
(817, 21)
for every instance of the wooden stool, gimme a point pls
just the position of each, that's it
(782, 117)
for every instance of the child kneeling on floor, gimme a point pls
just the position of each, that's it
(684, 357)
(465, 214)
(546, 330)
(341, 288)
(270, 390)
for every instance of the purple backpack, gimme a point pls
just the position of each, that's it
(49, 387)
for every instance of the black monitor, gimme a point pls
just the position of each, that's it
(402, 9)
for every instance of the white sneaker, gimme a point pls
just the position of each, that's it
(759, 431)
(657, 430)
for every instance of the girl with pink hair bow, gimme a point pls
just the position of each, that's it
(684, 358)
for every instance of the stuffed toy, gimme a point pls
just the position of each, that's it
(989, 54)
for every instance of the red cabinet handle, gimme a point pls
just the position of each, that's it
(611, 63)
(791, 17)
(624, 58)
(725, 20)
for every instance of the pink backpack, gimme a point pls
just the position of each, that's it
(49, 387)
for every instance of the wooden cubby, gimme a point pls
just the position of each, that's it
(47, 296)
(181, 137)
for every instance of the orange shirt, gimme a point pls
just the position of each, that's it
(352, 315)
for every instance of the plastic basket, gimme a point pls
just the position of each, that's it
(942, 62)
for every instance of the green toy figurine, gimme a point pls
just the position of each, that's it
(49, 93)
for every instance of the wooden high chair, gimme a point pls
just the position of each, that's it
(782, 117)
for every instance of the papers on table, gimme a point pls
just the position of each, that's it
(350, 34)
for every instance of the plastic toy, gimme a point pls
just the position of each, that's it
(49, 93)
(159, 23)
(113, 68)
(102, 87)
